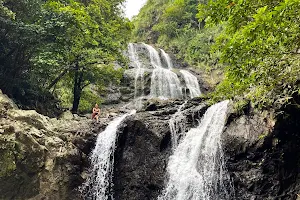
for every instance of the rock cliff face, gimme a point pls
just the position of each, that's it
(144, 146)
(41, 158)
(262, 153)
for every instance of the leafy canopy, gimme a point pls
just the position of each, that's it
(61, 43)
(260, 47)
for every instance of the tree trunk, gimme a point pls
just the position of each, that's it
(77, 88)
(76, 100)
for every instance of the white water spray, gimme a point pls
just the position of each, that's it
(139, 76)
(99, 181)
(197, 169)
(164, 83)
(191, 83)
(154, 56)
(167, 59)
(177, 125)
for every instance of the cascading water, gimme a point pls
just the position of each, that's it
(99, 181)
(191, 83)
(177, 126)
(164, 82)
(197, 167)
(154, 56)
(139, 75)
(167, 59)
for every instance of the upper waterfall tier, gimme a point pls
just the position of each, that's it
(192, 84)
(165, 82)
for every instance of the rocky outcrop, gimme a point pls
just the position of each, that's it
(144, 146)
(42, 158)
(263, 154)
(262, 151)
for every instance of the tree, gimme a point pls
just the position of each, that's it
(81, 39)
(19, 35)
(260, 46)
(174, 26)
(43, 43)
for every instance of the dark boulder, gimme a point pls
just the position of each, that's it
(143, 149)
(264, 155)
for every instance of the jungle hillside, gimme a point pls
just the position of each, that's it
(255, 44)
(63, 54)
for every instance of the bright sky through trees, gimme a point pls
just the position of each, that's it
(132, 7)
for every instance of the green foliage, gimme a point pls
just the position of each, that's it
(6, 12)
(173, 26)
(146, 19)
(61, 45)
(240, 105)
(257, 40)
(262, 136)
(199, 48)
(88, 101)
(260, 46)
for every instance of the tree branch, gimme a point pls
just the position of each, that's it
(59, 77)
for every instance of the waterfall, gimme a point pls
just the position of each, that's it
(154, 56)
(164, 83)
(139, 75)
(197, 168)
(133, 56)
(167, 59)
(177, 125)
(191, 83)
(99, 181)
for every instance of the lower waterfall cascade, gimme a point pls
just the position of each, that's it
(196, 169)
(98, 183)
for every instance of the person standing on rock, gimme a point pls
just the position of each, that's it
(96, 113)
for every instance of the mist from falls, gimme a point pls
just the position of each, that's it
(196, 169)
(99, 181)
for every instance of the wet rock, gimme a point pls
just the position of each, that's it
(144, 146)
(42, 158)
(263, 154)
(140, 160)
